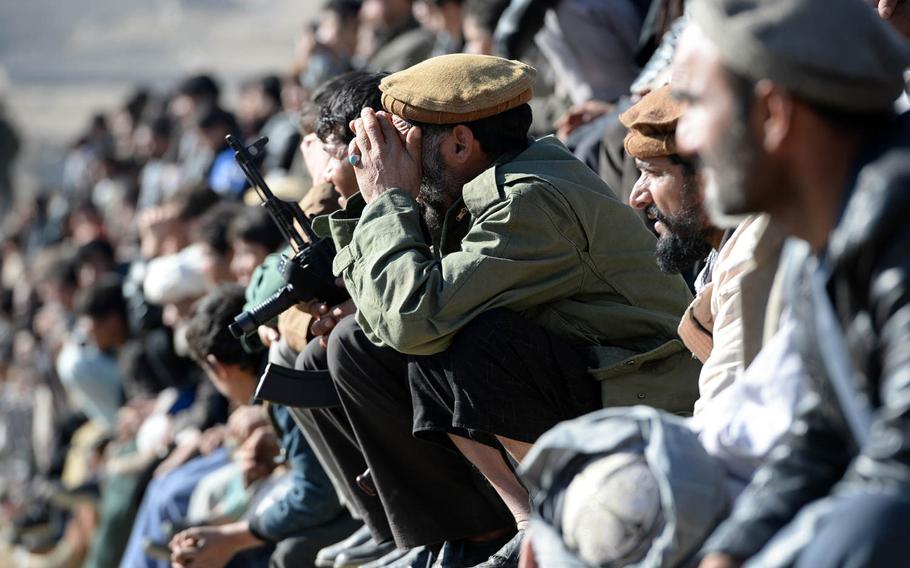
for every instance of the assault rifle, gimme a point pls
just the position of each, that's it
(308, 272)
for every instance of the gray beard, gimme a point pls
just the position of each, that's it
(438, 190)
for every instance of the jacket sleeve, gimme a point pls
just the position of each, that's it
(812, 456)
(885, 457)
(311, 500)
(513, 256)
(802, 468)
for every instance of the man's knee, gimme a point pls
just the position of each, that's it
(312, 358)
(344, 344)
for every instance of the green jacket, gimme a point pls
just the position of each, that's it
(539, 234)
(266, 280)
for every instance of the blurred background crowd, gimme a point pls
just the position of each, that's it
(105, 251)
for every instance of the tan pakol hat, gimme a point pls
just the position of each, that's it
(457, 88)
(836, 53)
(652, 125)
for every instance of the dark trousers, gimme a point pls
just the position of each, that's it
(864, 530)
(427, 493)
(503, 375)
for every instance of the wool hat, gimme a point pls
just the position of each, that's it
(836, 53)
(175, 278)
(457, 88)
(652, 125)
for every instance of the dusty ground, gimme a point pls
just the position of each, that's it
(61, 61)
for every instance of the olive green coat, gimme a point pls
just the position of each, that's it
(539, 234)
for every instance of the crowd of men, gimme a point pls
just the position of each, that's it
(624, 284)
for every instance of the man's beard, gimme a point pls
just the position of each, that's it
(728, 172)
(438, 190)
(684, 243)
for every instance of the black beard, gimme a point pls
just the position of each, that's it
(684, 242)
(438, 190)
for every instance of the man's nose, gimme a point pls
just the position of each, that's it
(640, 196)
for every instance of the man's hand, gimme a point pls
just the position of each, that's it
(579, 115)
(244, 421)
(211, 547)
(384, 160)
(212, 439)
(256, 455)
(719, 560)
(201, 547)
(326, 317)
(896, 12)
(268, 335)
(885, 7)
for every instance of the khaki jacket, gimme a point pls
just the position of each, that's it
(538, 233)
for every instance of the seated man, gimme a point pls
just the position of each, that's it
(623, 458)
(490, 273)
(302, 520)
(87, 364)
(801, 126)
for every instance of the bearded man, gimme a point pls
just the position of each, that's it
(491, 273)
(790, 103)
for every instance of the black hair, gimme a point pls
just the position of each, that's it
(271, 88)
(498, 134)
(202, 87)
(347, 10)
(340, 101)
(61, 268)
(214, 226)
(103, 298)
(688, 166)
(194, 200)
(137, 102)
(207, 332)
(486, 12)
(254, 225)
(95, 248)
(213, 117)
(161, 126)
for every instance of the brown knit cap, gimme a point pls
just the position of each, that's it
(456, 88)
(652, 125)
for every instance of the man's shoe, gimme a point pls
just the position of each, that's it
(418, 557)
(325, 558)
(364, 553)
(462, 553)
(507, 556)
(387, 559)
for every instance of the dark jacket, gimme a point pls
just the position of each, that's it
(866, 270)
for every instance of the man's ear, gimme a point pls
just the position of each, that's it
(216, 365)
(776, 108)
(464, 143)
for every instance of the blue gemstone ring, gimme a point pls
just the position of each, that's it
(354, 159)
